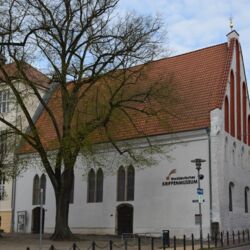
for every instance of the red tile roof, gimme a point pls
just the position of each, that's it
(199, 82)
(33, 74)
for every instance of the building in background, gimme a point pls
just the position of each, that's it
(10, 110)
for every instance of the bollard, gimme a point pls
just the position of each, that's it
(125, 245)
(227, 238)
(93, 245)
(27, 248)
(74, 247)
(221, 239)
(139, 243)
(192, 237)
(174, 243)
(184, 242)
(152, 243)
(52, 247)
(208, 240)
(110, 245)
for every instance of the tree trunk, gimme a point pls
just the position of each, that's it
(62, 230)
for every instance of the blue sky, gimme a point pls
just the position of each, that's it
(194, 24)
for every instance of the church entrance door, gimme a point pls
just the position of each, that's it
(36, 220)
(125, 219)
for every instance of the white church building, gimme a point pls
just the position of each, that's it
(214, 125)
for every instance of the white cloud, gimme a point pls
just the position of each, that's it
(194, 24)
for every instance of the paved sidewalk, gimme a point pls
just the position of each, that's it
(22, 241)
(17, 241)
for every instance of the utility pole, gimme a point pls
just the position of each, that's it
(198, 163)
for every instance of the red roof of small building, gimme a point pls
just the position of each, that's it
(199, 81)
(32, 74)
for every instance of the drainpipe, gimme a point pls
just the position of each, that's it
(13, 191)
(210, 177)
(13, 203)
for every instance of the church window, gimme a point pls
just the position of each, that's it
(231, 186)
(248, 132)
(244, 104)
(232, 108)
(238, 90)
(121, 184)
(246, 199)
(43, 187)
(91, 186)
(36, 190)
(99, 186)
(226, 149)
(226, 114)
(130, 183)
(71, 197)
(125, 184)
(95, 186)
(234, 154)
(38, 184)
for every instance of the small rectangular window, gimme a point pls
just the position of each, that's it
(2, 188)
(4, 101)
(3, 142)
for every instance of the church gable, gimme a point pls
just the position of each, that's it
(236, 99)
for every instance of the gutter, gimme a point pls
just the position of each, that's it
(13, 190)
(210, 176)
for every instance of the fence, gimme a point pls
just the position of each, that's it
(222, 239)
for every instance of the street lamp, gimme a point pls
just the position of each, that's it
(198, 163)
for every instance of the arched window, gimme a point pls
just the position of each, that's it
(244, 105)
(231, 186)
(36, 190)
(242, 156)
(248, 130)
(121, 184)
(232, 111)
(238, 97)
(234, 153)
(99, 185)
(43, 186)
(226, 149)
(130, 183)
(246, 199)
(71, 197)
(226, 114)
(91, 186)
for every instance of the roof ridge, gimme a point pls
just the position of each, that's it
(186, 53)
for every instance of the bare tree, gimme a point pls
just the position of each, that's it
(98, 61)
